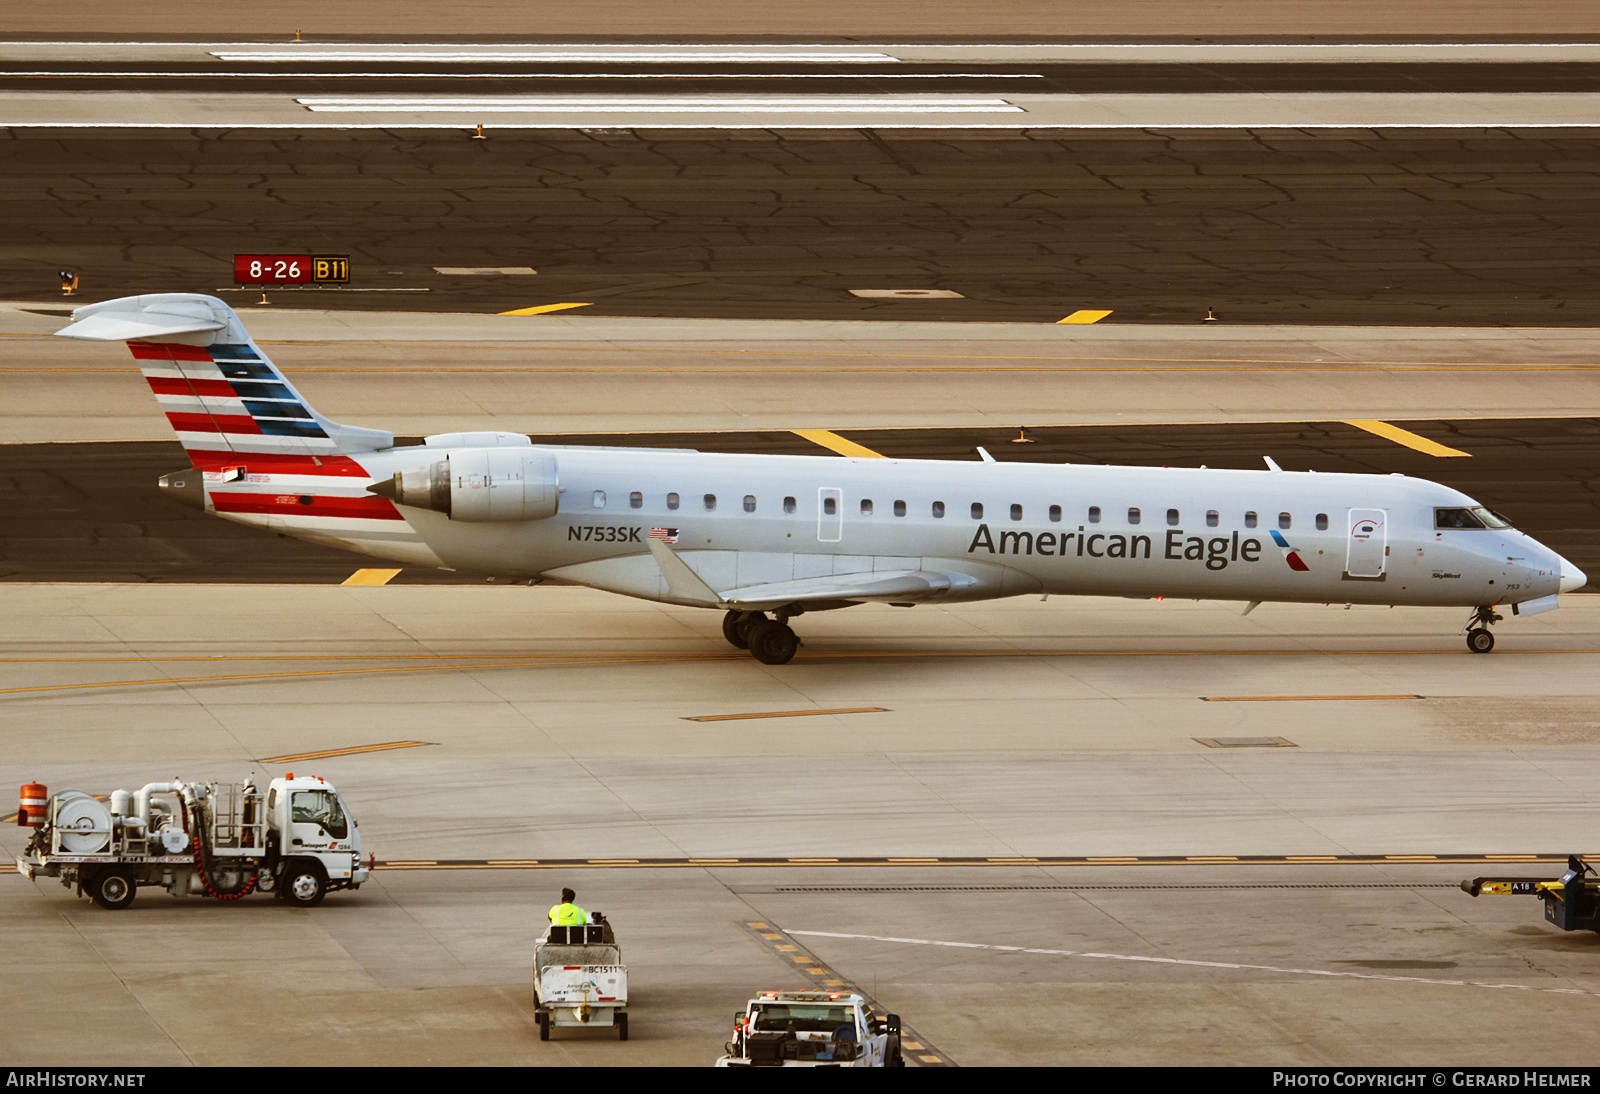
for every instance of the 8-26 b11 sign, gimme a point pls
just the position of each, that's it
(291, 269)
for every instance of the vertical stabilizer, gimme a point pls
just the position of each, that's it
(225, 399)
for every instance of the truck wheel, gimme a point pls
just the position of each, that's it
(112, 889)
(304, 886)
(544, 1027)
(622, 1026)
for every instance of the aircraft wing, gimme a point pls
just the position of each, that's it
(906, 585)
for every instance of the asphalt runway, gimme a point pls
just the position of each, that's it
(1477, 228)
(556, 727)
(91, 512)
(824, 20)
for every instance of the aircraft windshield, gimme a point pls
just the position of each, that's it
(1475, 517)
(776, 1018)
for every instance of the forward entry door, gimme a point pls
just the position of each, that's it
(830, 514)
(1368, 544)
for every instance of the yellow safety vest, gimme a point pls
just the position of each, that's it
(568, 915)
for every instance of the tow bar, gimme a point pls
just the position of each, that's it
(1571, 902)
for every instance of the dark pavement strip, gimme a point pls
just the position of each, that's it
(91, 511)
(1470, 227)
(993, 75)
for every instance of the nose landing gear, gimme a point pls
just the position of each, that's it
(770, 641)
(1479, 638)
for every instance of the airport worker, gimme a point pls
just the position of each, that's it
(567, 913)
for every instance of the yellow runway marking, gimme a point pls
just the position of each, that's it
(300, 757)
(784, 714)
(545, 309)
(1296, 698)
(1404, 436)
(831, 440)
(685, 658)
(1084, 316)
(370, 577)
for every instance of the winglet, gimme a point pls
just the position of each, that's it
(683, 584)
(1272, 464)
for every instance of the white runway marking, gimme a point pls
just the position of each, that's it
(664, 104)
(545, 56)
(1194, 964)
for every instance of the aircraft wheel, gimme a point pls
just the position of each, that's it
(1480, 640)
(773, 643)
(736, 628)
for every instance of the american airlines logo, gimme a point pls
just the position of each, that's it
(1215, 552)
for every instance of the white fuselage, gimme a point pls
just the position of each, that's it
(744, 520)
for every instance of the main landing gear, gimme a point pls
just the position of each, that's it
(1479, 638)
(770, 641)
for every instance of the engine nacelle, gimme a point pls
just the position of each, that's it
(480, 484)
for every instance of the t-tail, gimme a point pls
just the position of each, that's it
(235, 414)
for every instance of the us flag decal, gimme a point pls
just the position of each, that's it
(665, 535)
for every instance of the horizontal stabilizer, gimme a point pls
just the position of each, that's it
(142, 327)
(157, 317)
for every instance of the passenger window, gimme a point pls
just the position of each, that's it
(1250, 520)
(1172, 517)
(711, 502)
(749, 503)
(866, 507)
(1094, 514)
(1133, 516)
(938, 508)
(672, 501)
(1322, 522)
(899, 508)
(1016, 512)
(977, 510)
(830, 506)
(1055, 514)
(1284, 520)
(1212, 518)
(599, 499)
(788, 505)
(636, 500)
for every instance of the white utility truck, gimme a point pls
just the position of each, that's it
(579, 979)
(297, 841)
(813, 1029)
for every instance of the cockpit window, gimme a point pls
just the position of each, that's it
(1455, 518)
(1475, 517)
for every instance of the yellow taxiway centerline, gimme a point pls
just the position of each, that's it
(683, 658)
(1404, 436)
(545, 309)
(784, 714)
(371, 577)
(300, 757)
(831, 440)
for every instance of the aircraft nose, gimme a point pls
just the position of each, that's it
(1572, 578)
